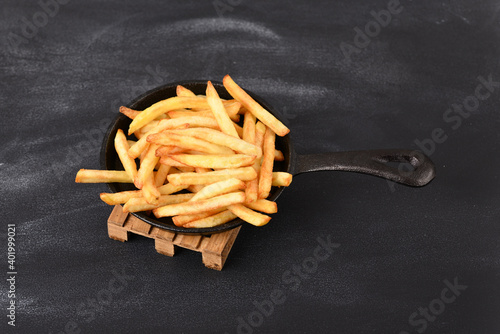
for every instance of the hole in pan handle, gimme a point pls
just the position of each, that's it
(373, 162)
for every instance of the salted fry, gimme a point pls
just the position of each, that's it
(166, 124)
(147, 165)
(248, 215)
(183, 91)
(219, 188)
(263, 205)
(140, 204)
(203, 113)
(184, 219)
(244, 174)
(122, 147)
(161, 175)
(123, 196)
(249, 128)
(255, 108)
(220, 113)
(252, 189)
(164, 106)
(266, 168)
(130, 113)
(102, 176)
(151, 193)
(200, 206)
(188, 143)
(165, 150)
(212, 221)
(214, 161)
(219, 138)
(167, 160)
(278, 155)
(282, 179)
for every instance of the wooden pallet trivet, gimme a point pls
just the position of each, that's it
(214, 248)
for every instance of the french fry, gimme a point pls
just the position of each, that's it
(140, 203)
(219, 188)
(121, 147)
(165, 150)
(281, 179)
(255, 108)
(161, 175)
(151, 193)
(214, 161)
(148, 127)
(186, 169)
(194, 188)
(219, 138)
(167, 160)
(199, 206)
(164, 106)
(188, 143)
(248, 215)
(263, 205)
(130, 113)
(197, 187)
(278, 155)
(147, 165)
(184, 219)
(249, 128)
(252, 190)
(120, 197)
(244, 174)
(183, 91)
(212, 221)
(123, 196)
(219, 111)
(102, 176)
(136, 150)
(266, 168)
(203, 113)
(239, 129)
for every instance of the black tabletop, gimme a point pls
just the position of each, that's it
(346, 253)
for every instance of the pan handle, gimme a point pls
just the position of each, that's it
(373, 162)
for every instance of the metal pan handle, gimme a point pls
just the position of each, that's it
(373, 162)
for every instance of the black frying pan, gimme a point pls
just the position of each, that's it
(373, 162)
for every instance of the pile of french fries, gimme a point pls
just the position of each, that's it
(199, 159)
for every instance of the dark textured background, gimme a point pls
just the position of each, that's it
(62, 84)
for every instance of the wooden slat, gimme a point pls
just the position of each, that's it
(217, 243)
(188, 241)
(163, 234)
(138, 226)
(117, 232)
(117, 216)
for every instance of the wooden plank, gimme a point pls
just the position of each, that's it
(117, 232)
(138, 226)
(117, 216)
(163, 234)
(164, 247)
(188, 241)
(217, 242)
(216, 250)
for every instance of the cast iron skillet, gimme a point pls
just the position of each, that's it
(373, 162)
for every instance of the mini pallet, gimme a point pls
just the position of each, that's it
(214, 248)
